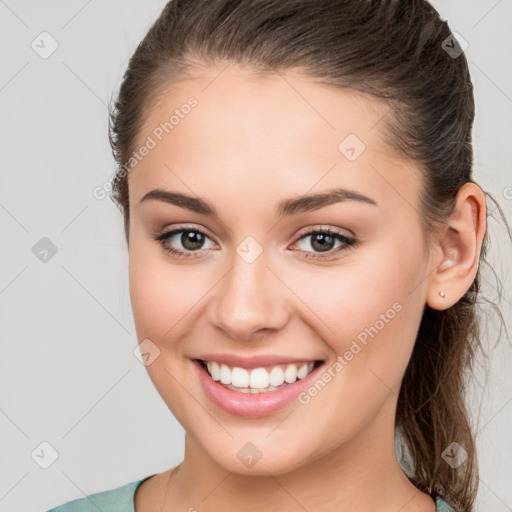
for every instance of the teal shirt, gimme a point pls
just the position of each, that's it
(121, 500)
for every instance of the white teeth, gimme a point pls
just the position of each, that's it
(239, 377)
(225, 374)
(290, 374)
(251, 381)
(259, 379)
(276, 376)
(303, 371)
(251, 390)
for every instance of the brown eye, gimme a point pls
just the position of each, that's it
(323, 241)
(192, 242)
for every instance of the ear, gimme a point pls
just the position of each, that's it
(456, 250)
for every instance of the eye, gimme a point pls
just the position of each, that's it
(324, 241)
(191, 240)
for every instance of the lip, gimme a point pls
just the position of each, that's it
(249, 363)
(252, 405)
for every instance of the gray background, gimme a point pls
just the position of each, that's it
(68, 373)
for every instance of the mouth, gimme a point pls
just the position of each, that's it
(258, 380)
(256, 392)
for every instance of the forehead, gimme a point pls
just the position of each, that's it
(247, 132)
(241, 103)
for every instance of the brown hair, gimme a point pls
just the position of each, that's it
(398, 51)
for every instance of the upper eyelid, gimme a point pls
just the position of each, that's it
(320, 228)
(180, 228)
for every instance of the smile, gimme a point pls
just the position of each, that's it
(258, 380)
(235, 390)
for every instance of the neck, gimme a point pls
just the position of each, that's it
(359, 474)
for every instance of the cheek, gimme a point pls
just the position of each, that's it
(162, 294)
(164, 301)
(365, 316)
(364, 309)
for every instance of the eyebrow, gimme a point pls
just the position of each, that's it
(287, 207)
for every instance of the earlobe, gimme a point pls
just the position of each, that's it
(458, 249)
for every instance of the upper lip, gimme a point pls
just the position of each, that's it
(253, 361)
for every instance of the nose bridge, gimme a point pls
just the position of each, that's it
(250, 298)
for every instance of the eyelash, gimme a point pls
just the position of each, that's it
(162, 237)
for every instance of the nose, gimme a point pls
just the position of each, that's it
(250, 300)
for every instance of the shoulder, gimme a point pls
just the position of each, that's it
(119, 499)
(442, 506)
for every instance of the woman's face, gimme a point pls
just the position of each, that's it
(251, 286)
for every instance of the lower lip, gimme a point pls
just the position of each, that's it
(252, 405)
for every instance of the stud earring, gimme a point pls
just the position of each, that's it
(442, 294)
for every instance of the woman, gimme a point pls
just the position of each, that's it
(305, 238)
